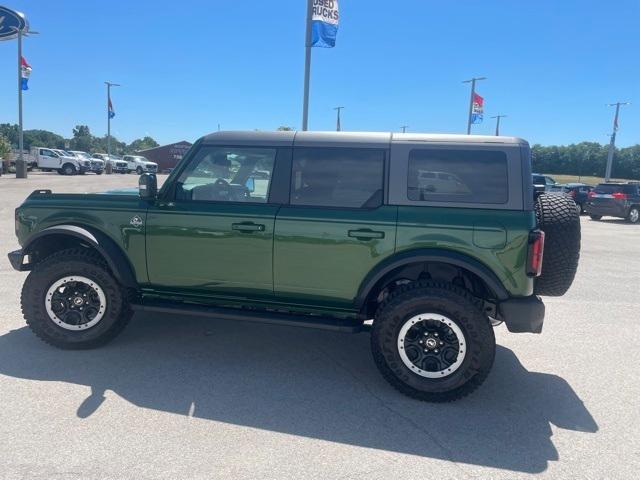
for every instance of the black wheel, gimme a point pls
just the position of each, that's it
(580, 208)
(139, 171)
(432, 341)
(595, 217)
(99, 173)
(634, 215)
(60, 172)
(68, 169)
(71, 300)
(559, 220)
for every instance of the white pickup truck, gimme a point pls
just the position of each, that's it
(97, 165)
(49, 159)
(139, 164)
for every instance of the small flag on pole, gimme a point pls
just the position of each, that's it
(112, 113)
(324, 20)
(477, 111)
(25, 71)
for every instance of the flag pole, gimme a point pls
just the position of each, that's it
(307, 68)
(473, 91)
(21, 168)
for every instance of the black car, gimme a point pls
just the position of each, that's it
(579, 192)
(620, 200)
(541, 183)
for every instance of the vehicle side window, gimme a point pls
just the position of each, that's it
(469, 176)
(337, 177)
(47, 153)
(228, 174)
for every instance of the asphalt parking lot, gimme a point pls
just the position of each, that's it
(195, 398)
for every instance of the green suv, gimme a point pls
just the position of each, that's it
(427, 241)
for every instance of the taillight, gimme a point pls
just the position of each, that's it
(591, 194)
(619, 196)
(536, 251)
(572, 193)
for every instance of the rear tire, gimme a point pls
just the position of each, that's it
(139, 171)
(634, 215)
(426, 370)
(559, 220)
(72, 301)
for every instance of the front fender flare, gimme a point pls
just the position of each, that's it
(429, 255)
(110, 251)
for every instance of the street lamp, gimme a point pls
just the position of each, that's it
(338, 126)
(404, 128)
(498, 117)
(612, 143)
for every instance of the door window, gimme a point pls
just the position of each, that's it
(228, 174)
(337, 177)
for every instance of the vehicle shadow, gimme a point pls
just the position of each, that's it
(310, 383)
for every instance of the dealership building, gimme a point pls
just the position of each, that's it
(166, 156)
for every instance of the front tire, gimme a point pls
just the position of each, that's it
(139, 171)
(72, 301)
(433, 342)
(595, 217)
(69, 169)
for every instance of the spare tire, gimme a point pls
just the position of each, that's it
(559, 220)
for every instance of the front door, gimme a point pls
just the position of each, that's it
(48, 159)
(336, 228)
(214, 234)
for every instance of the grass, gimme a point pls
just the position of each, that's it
(583, 179)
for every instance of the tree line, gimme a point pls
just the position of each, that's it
(82, 139)
(586, 159)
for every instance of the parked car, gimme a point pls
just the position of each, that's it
(620, 200)
(97, 165)
(340, 232)
(139, 164)
(579, 192)
(117, 164)
(49, 159)
(542, 183)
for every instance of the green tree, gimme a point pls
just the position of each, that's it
(10, 132)
(42, 138)
(5, 148)
(142, 144)
(82, 138)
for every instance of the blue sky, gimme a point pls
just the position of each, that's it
(187, 66)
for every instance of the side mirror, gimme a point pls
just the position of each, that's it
(148, 186)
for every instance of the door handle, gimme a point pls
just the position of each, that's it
(247, 227)
(365, 234)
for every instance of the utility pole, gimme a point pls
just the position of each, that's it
(338, 126)
(472, 81)
(498, 117)
(307, 68)
(612, 143)
(404, 128)
(109, 85)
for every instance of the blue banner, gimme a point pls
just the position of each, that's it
(324, 23)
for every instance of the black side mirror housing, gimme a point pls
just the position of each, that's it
(148, 186)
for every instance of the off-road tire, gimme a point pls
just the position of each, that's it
(78, 262)
(559, 220)
(595, 217)
(444, 299)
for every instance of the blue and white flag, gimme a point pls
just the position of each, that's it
(112, 112)
(324, 22)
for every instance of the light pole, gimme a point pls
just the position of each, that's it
(498, 117)
(612, 143)
(307, 68)
(404, 128)
(472, 81)
(21, 167)
(338, 126)
(109, 115)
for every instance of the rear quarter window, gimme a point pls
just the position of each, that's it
(465, 176)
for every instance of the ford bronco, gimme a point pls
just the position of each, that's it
(426, 241)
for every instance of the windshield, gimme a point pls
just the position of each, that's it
(81, 154)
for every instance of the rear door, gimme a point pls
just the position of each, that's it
(214, 234)
(336, 227)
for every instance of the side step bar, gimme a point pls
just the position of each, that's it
(258, 316)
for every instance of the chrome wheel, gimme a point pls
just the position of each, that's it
(634, 215)
(75, 303)
(431, 345)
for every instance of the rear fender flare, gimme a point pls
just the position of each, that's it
(429, 255)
